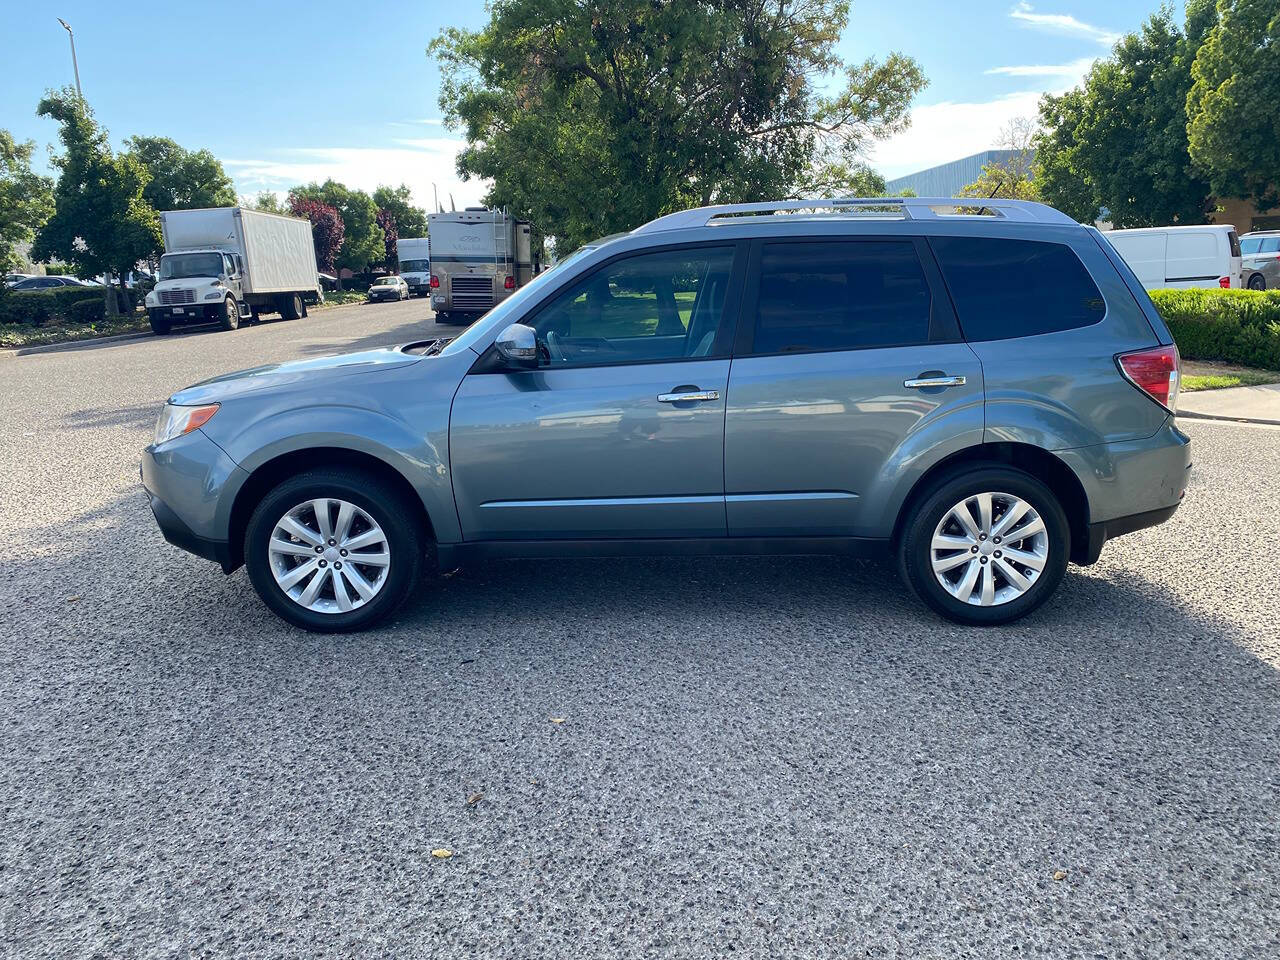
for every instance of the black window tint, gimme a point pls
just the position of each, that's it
(1016, 288)
(840, 295)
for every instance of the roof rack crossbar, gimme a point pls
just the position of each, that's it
(906, 208)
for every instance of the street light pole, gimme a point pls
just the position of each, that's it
(74, 65)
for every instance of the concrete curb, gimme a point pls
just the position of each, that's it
(1225, 419)
(74, 344)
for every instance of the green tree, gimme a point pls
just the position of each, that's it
(1014, 176)
(26, 198)
(597, 115)
(266, 201)
(410, 221)
(1232, 107)
(181, 179)
(1119, 142)
(101, 222)
(363, 243)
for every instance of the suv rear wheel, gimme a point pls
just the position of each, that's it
(985, 546)
(333, 550)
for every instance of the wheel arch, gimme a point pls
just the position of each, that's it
(1040, 463)
(272, 472)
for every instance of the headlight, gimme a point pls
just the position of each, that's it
(175, 420)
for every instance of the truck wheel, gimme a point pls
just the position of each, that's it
(230, 318)
(160, 324)
(290, 307)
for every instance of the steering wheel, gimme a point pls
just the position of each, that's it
(553, 347)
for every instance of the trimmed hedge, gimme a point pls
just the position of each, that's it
(1233, 326)
(35, 308)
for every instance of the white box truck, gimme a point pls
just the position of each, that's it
(479, 257)
(231, 264)
(415, 264)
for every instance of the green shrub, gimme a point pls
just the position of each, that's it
(87, 311)
(1233, 326)
(35, 308)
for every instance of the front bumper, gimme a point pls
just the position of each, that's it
(189, 312)
(190, 482)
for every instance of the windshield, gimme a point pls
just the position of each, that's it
(387, 281)
(176, 266)
(414, 266)
(507, 311)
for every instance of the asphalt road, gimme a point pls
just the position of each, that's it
(773, 757)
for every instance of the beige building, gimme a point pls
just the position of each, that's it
(1244, 216)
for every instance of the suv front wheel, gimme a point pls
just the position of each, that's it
(986, 546)
(333, 550)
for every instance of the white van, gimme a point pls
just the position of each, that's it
(1180, 257)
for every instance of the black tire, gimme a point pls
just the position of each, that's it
(230, 319)
(290, 307)
(397, 519)
(1257, 282)
(916, 538)
(160, 324)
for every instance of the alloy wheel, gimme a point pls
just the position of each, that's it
(989, 549)
(329, 556)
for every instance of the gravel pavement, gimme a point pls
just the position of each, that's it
(757, 757)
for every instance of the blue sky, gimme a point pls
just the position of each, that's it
(285, 92)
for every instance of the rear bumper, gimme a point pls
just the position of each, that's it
(1130, 485)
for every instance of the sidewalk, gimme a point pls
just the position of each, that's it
(1252, 404)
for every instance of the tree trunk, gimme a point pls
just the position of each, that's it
(109, 296)
(126, 295)
(337, 272)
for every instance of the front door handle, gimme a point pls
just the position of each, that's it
(921, 383)
(694, 395)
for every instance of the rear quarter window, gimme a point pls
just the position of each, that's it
(1016, 288)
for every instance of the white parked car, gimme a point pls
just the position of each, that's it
(389, 288)
(1182, 257)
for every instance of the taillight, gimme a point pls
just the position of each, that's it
(509, 283)
(435, 281)
(1156, 372)
(1224, 283)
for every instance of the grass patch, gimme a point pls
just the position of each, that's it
(338, 298)
(17, 335)
(1219, 381)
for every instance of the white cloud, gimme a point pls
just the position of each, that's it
(417, 162)
(942, 132)
(1061, 23)
(1073, 71)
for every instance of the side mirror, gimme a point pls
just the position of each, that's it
(518, 345)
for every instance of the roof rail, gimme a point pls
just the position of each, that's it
(846, 208)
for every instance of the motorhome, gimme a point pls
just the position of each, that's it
(231, 264)
(415, 267)
(1180, 257)
(479, 257)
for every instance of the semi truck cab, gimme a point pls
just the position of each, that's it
(194, 285)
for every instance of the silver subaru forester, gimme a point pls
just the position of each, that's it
(983, 393)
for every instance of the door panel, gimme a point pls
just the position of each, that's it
(811, 438)
(590, 452)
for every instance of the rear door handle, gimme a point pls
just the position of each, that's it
(922, 382)
(694, 395)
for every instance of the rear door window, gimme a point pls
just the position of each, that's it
(840, 295)
(1016, 288)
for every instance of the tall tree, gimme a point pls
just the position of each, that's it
(1119, 142)
(26, 198)
(390, 237)
(181, 179)
(410, 221)
(362, 241)
(597, 115)
(326, 230)
(101, 223)
(1232, 107)
(266, 200)
(1013, 177)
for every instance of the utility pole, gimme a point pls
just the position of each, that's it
(74, 65)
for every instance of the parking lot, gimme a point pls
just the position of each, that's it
(689, 758)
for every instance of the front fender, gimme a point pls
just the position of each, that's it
(418, 455)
